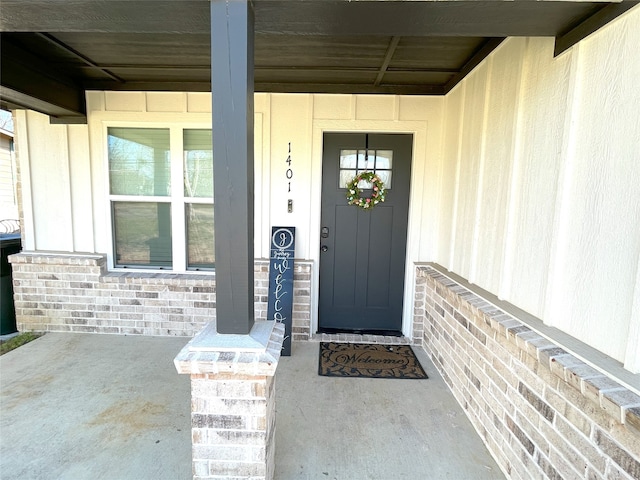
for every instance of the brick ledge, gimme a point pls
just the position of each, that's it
(227, 360)
(614, 398)
(58, 258)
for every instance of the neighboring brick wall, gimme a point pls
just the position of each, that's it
(541, 411)
(70, 292)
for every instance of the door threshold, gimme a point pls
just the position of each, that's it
(383, 333)
(360, 338)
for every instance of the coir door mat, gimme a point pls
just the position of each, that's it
(369, 361)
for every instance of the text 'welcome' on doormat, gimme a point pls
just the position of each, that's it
(369, 361)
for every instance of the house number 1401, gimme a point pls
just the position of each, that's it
(289, 172)
(289, 175)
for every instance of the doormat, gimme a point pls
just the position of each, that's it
(369, 361)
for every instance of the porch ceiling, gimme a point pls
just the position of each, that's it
(53, 51)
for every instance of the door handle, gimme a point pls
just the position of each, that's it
(324, 248)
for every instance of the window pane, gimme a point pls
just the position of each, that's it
(384, 159)
(385, 176)
(198, 163)
(366, 162)
(139, 161)
(142, 234)
(200, 240)
(348, 158)
(345, 177)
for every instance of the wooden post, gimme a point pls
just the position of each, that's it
(232, 91)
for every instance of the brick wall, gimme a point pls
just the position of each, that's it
(233, 412)
(236, 440)
(70, 292)
(542, 412)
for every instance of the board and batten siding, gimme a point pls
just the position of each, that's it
(280, 120)
(525, 177)
(540, 187)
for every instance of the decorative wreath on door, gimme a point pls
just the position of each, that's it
(354, 193)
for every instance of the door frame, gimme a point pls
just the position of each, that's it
(416, 128)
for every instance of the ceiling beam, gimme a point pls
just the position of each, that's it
(271, 87)
(63, 46)
(348, 88)
(590, 25)
(391, 49)
(12, 99)
(282, 68)
(151, 86)
(142, 66)
(30, 82)
(473, 62)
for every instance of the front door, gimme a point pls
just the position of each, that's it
(362, 251)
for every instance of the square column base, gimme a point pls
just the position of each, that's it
(233, 401)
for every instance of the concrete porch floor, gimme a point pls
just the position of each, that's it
(87, 406)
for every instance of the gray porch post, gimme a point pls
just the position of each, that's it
(232, 96)
(232, 362)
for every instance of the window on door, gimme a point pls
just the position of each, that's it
(353, 162)
(161, 197)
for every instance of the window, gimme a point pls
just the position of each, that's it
(354, 161)
(198, 192)
(161, 193)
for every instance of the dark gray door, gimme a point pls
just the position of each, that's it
(362, 252)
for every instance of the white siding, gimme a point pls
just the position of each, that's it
(47, 156)
(545, 206)
(470, 168)
(449, 175)
(491, 221)
(599, 234)
(291, 123)
(82, 202)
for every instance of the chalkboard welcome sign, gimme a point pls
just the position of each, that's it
(280, 305)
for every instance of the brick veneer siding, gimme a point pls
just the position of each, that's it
(233, 411)
(58, 292)
(541, 411)
(233, 426)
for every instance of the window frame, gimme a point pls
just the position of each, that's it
(358, 170)
(176, 199)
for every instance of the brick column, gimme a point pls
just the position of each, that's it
(233, 401)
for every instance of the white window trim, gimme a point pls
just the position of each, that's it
(176, 199)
